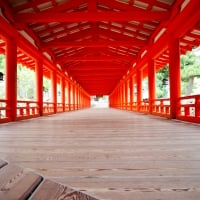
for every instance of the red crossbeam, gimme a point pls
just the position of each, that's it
(93, 16)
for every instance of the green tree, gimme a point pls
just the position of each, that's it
(190, 68)
(162, 90)
(25, 83)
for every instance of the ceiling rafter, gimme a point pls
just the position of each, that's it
(93, 16)
(65, 6)
(95, 44)
(96, 58)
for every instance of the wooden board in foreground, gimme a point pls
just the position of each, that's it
(20, 184)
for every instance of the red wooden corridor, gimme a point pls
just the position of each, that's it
(109, 154)
(97, 47)
(85, 48)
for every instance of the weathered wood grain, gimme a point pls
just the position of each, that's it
(109, 154)
(50, 190)
(16, 183)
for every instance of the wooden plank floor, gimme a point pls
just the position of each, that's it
(110, 154)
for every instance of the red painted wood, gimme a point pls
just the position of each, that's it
(94, 44)
(54, 90)
(63, 93)
(98, 52)
(69, 95)
(174, 74)
(11, 78)
(93, 16)
(39, 85)
(152, 84)
(139, 88)
(131, 92)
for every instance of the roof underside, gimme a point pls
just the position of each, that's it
(96, 42)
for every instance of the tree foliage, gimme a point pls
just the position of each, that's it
(190, 66)
(162, 90)
(190, 69)
(25, 83)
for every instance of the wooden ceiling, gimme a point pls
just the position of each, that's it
(96, 42)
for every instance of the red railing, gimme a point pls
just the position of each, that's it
(189, 108)
(48, 108)
(27, 109)
(134, 106)
(4, 111)
(60, 107)
(161, 107)
(144, 106)
(67, 107)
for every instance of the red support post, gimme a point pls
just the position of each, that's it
(39, 85)
(139, 89)
(54, 90)
(119, 97)
(63, 93)
(131, 92)
(69, 95)
(152, 84)
(133, 80)
(126, 94)
(78, 98)
(74, 97)
(122, 96)
(174, 75)
(11, 78)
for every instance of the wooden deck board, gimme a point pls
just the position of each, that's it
(16, 183)
(49, 190)
(109, 153)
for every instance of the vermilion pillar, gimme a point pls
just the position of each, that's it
(131, 92)
(125, 94)
(174, 75)
(74, 97)
(54, 90)
(78, 97)
(39, 85)
(152, 84)
(139, 89)
(11, 78)
(120, 96)
(133, 83)
(69, 95)
(63, 93)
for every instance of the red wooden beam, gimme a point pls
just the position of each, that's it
(62, 44)
(92, 5)
(95, 78)
(93, 16)
(96, 75)
(96, 68)
(96, 58)
(116, 36)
